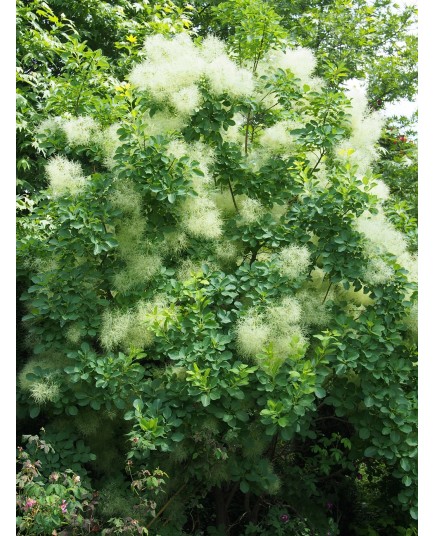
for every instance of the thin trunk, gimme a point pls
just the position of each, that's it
(246, 137)
(221, 510)
(233, 196)
(255, 511)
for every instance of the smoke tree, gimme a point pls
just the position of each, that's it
(215, 287)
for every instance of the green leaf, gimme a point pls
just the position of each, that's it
(95, 404)
(244, 486)
(119, 403)
(369, 401)
(177, 436)
(138, 404)
(407, 481)
(287, 434)
(320, 392)
(205, 399)
(395, 437)
(411, 441)
(364, 433)
(34, 411)
(370, 452)
(405, 464)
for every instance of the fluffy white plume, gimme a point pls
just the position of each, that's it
(64, 176)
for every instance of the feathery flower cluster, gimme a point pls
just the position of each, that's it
(366, 128)
(201, 218)
(134, 328)
(126, 198)
(278, 325)
(29, 368)
(277, 138)
(212, 48)
(268, 100)
(253, 446)
(224, 76)
(125, 329)
(109, 141)
(115, 327)
(205, 156)
(277, 211)
(377, 271)
(381, 190)
(314, 311)
(381, 233)
(284, 314)
(293, 343)
(44, 391)
(186, 100)
(173, 243)
(300, 61)
(226, 253)
(286, 334)
(187, 268)
(80, 130)
(130, 236)
(64, 176)
(171, 65)
(293, 261)
(140, 269)
(382, 237)
(251, 210)
(410, 263)
(73, 333)
(41, 265)
(315, 83)
(112, 501)
(256, 158)
(177, 148)
(51, 125)
(252, 334)
(163, 122)
(175, 66)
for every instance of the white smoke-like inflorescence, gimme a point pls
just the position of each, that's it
(360, 149)
(65, 176)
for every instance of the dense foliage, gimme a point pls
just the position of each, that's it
(216, 269)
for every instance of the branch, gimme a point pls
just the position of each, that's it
(326, 294)
(318, 162)
(232, 492)
(233, 196)
(246, 138)
(166, 505)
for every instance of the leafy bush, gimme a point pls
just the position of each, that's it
(211, 272)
